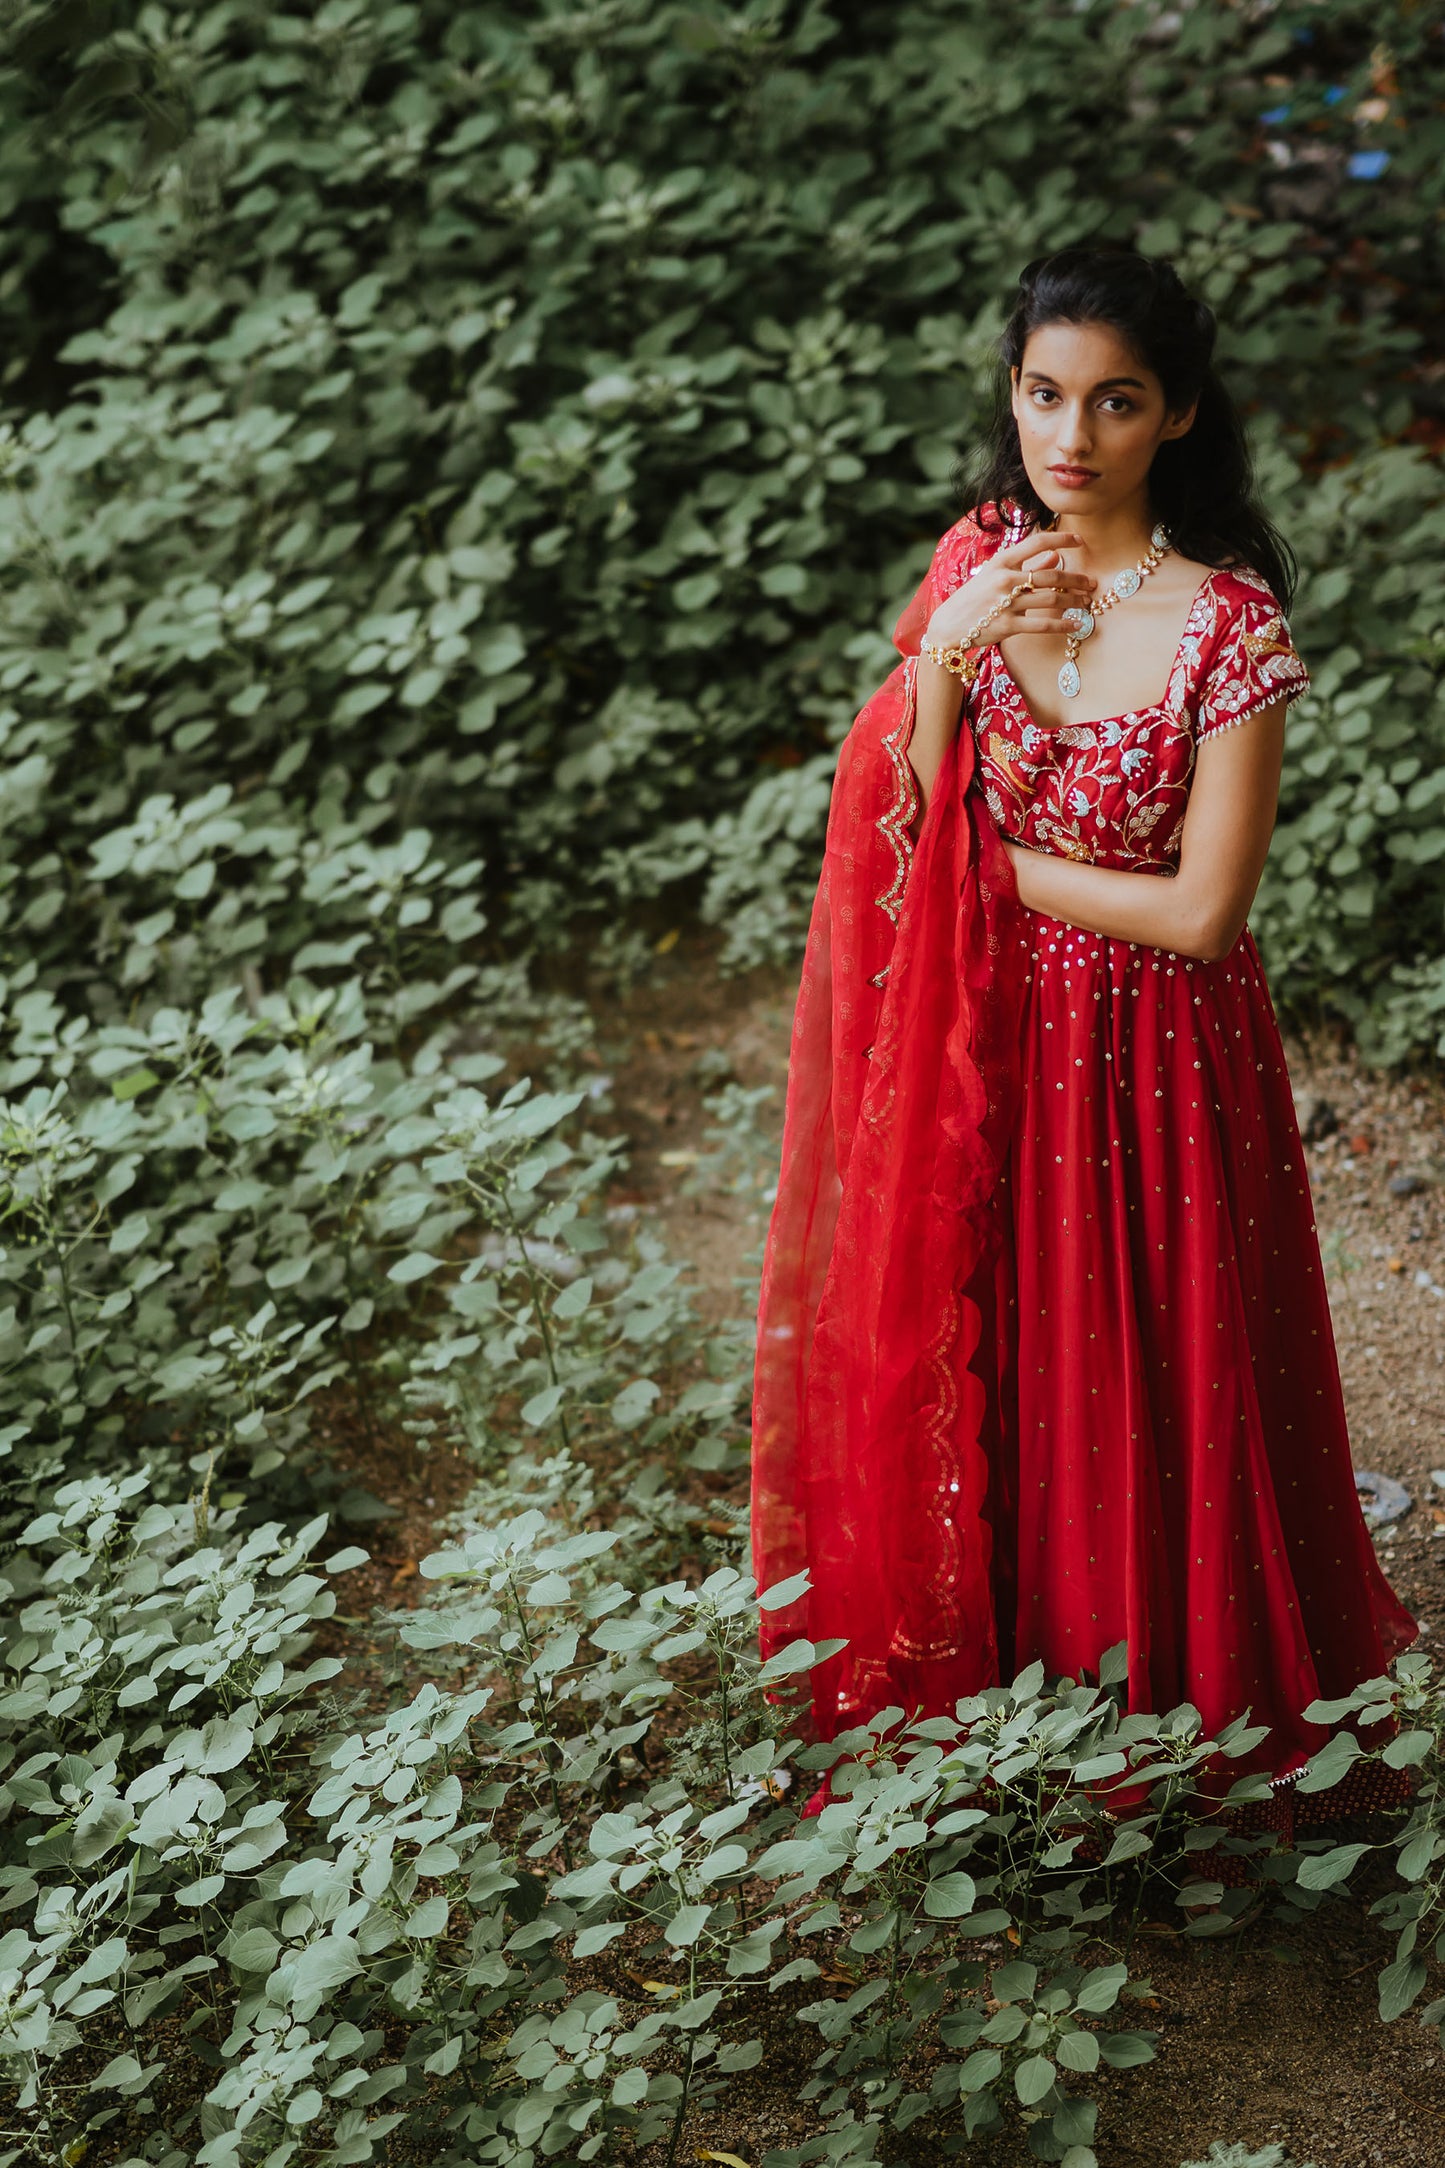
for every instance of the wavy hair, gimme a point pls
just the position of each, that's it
(1201, 485)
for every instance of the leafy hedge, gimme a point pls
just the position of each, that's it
(458, 465)
(519, 423)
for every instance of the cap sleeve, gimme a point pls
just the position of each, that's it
(1254, 662)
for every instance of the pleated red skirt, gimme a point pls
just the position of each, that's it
(1170, 1461)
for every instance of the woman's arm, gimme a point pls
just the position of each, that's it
(1201, 911)
(940, 702)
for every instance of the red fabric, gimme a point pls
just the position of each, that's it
(1044, 1350)
(868, 1460)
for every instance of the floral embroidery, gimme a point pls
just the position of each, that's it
(1115, 792)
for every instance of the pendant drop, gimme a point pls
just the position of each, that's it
(1081, 621)
(1069, 680)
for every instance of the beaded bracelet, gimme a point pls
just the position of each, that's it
(955, 657)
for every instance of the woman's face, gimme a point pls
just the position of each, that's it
(1090, 417)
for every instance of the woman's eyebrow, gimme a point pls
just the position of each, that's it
(1105, 383)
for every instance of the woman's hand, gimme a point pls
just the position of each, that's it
(1039, 609)
(1036, 609)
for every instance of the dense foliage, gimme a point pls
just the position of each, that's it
(458, 467)
(520, 422)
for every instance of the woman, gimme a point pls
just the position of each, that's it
(1044, 1352)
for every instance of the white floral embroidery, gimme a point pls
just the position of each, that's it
(1126, 778)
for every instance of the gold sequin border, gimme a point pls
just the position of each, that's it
(897, 818)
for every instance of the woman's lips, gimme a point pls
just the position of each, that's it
(1073, 477)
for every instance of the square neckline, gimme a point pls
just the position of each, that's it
(1101, 722)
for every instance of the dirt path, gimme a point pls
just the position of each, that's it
(1261, 2041)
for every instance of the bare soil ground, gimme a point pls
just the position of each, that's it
(1259, 2041)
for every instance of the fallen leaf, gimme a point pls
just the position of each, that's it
(678, 1159)
(1361, 1143)
(404, 1572)
(669, 940)
(732, 2160)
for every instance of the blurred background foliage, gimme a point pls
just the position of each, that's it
(521, 423)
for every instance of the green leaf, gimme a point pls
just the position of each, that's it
(1015, 1982)
(783, 580)
(251, 1949)
(950, 1896)
(1126, 2049)
(980, 2070)
(1324, 1869)
(589, 1940)
(573, 1300)
(1331, 1763)
(1408, 1749)
(1400, 1984)
(1101, 1989)
(131, 1087)
(1077, 2051)
(633, 1403)
(1033, 2078)
(686, 1924)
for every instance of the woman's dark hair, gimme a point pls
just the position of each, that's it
(1201, 485)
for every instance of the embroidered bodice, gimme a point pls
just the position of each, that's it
(1115, 792)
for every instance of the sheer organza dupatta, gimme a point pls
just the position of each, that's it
(870, 1461)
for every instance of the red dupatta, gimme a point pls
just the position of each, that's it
(869, 1464)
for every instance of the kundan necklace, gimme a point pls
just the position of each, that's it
(1082, 621)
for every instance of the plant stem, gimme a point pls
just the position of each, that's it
(550, 1749)
(544, 1331)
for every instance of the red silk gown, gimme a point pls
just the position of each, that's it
(1044, 1358)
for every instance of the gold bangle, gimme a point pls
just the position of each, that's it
(958, 660)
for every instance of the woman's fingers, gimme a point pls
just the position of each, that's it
(1019, 553)
(1001, 628)
(1067, 593)
(1032, 613)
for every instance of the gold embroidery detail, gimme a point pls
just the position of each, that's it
(894, 823)
(940, 1492)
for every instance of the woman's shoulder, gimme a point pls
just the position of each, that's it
(1240, 590)
(1244, 613)
(1246, 653)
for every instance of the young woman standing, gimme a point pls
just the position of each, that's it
(1045, 1360)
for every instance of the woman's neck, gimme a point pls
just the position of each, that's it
(1108, 540)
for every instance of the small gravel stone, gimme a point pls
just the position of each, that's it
(1382, 1498)
(1317, 1118)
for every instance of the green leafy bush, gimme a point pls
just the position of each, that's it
(482, 437)
(458, 469)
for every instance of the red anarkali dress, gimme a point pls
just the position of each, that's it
(1045, 1360)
